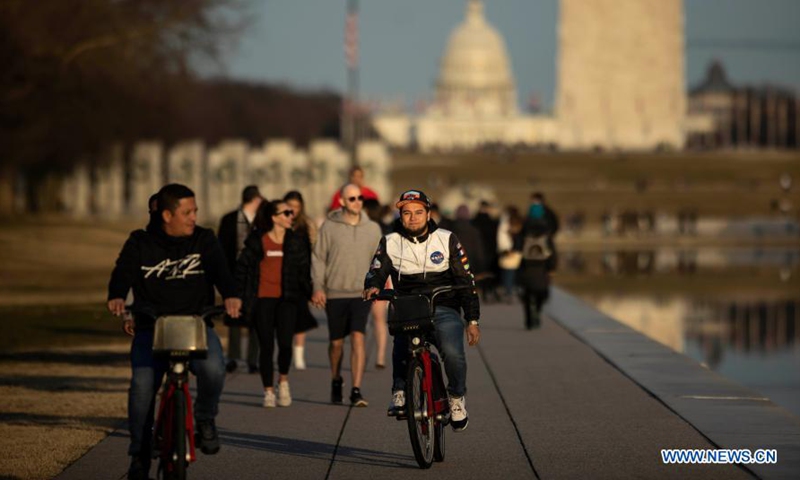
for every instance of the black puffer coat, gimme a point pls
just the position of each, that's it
(295, 277)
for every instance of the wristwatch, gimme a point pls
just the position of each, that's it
(475, 322)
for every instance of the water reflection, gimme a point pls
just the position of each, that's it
(684, 261)
(734, 310)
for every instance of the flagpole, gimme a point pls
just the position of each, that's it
(350, 117)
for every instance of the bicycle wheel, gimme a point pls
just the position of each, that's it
(420, 426)
(438, 442)
(179, 455)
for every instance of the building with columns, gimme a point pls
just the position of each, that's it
(742, 116)
(620, 84)
(475, 100)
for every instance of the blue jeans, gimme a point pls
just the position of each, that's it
(148, 373)
(448, 338)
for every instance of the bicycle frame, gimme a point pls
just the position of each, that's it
(177, 379)
(438, 408)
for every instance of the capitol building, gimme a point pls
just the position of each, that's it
(620, 84)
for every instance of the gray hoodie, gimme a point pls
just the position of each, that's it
(342, 255)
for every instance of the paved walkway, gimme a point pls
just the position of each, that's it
(542, 404)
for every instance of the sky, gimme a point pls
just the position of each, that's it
(300, 43)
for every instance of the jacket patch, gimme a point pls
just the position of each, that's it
(437, 257)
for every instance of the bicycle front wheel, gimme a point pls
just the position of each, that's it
(420, 425)
(179, 455)
(438, 444)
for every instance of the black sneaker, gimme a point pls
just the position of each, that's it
(336, 390)
(251, 369)
(139, 469)
(206, 437)
(231, 366)
(356, 399)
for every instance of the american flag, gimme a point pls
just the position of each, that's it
(351, 35)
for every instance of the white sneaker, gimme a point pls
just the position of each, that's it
(397, 404)
(284, 396)
(458, 413)
(299, 358)
(269, 399)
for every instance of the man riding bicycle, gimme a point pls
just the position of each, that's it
(419, 255)
(172, 267)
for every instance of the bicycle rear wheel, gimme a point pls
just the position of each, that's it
(420, 425)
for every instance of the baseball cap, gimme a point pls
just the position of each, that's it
(414, 196)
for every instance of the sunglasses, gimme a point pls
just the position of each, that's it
(360, 198)
(287, 213)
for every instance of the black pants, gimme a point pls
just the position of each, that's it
(235, 345)
(532, 302)
(274, 318)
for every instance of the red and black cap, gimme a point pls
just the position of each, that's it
(411, 196)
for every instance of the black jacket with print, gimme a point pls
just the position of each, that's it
(421, 263)
(171, 275)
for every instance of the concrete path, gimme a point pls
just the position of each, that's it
(542, 404)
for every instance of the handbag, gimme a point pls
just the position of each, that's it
(510, 260)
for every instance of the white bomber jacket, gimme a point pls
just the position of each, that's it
(434, 259)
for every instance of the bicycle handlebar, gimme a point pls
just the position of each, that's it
(205, 313)
(388, 294)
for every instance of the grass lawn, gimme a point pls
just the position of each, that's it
(28, 327)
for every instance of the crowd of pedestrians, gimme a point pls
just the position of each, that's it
(270, 262)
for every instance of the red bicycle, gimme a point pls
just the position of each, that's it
(427, 409)
(178, 338)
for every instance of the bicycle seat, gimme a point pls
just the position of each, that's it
(180, 335)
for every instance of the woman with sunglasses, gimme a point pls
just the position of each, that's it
(305, 228)
(274, 278)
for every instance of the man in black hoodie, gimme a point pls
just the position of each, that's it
(172, 267)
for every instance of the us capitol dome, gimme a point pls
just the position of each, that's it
(475, 99)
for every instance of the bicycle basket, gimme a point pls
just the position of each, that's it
(410, 314)
(180, 334)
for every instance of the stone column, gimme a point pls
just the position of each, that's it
(185, 166)
(256, 171)
(373, 157)
(755, 119)
(740, 103)
(145, 175)
(226, 179)
(770, 118)
(277, 155)
(76, 191)
(783, 122)
(296, 171)
(109, 197)
(329, 166)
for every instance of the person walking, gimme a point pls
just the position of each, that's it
(550, 216)
(341, 257)
(234, 227)
(487, 224)
(356, 177)
(509, 257)
(380, 308)
(273, 279)
(306, 230)
(539, 260)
